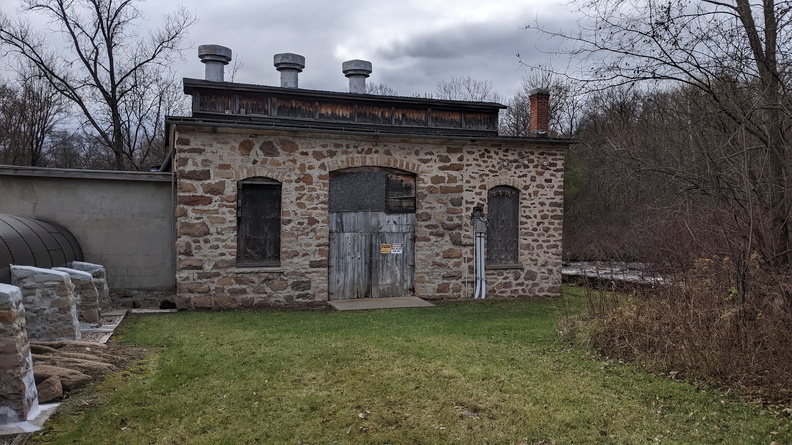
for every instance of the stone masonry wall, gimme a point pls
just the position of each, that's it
(99, 275)
(85, 295)
(539, 176)
(50, 308)
(18, 395)
(452, 175)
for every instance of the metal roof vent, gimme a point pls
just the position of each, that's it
(290, 66)
(215, 57)
(357, 71)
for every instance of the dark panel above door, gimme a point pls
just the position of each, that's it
(372, 189)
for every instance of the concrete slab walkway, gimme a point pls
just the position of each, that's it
(378, 303)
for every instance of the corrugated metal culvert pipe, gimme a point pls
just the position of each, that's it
(32, 242)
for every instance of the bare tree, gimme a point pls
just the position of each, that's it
(75, 149)
(465, 88)
(380, 89)
(106, 66)
(236, 65)
(737, 55)
(515, 120)
(143, 117)
(29, 113)
(566, 98)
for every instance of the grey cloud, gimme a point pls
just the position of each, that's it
(458, 42)
(483, 51)
(413, 64)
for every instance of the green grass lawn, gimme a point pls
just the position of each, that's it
(464, 372)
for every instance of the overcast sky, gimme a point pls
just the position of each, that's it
(412, 44)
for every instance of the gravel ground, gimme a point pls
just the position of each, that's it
(90, 336)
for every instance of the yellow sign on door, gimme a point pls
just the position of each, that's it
(385, 249)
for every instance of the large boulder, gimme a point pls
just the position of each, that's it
(82, 365)
(49, 389)
(70, 379)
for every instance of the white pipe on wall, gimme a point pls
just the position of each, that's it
(481, 277)
(480, 231)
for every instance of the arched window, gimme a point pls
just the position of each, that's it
(503, 225)
(258, 222)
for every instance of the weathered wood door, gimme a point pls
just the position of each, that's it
(371, 255)
(372, 234)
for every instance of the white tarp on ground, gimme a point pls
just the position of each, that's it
(613, 270)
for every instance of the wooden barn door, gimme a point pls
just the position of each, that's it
(372, 233)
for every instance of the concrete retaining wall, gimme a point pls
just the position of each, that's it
(123, 220)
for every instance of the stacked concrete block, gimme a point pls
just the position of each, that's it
(50, 307)
(100, 281)
(18, 395)
(86, 296)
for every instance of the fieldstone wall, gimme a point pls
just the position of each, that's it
(539, 176)
(452, 175)
(50, 307)
(100, 281)
(86, 296)
(18, 395)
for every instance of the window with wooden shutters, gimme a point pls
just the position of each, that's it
(503, 226)
(258, 222)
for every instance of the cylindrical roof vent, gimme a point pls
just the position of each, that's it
(215, 57)
(290, 66)
(32, 242)
(357, 71)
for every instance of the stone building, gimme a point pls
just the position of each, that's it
(288, 196)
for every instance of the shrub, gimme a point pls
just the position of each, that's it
(717, 322)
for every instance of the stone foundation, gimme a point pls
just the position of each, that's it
(144, 298)
(18, 395)
(86, 296)
(100, 281)
(50, 307)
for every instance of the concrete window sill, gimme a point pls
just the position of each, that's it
(517, 266)
(258, 269)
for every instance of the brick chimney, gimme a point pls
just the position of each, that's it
(540, 111)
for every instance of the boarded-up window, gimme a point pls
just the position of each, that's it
(372, 189)
(503, 225)
(258, 222)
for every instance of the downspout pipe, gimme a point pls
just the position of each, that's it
(479, 221)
